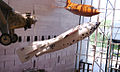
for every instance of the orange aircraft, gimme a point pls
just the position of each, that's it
(81, 9)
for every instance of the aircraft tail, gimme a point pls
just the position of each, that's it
(26, 53)
(68, 2)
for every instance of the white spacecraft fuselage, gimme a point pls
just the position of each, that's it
(60, 42)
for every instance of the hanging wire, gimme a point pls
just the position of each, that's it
(34, 13)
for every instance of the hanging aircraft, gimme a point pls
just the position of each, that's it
(81, 9)
(62, 41)
(11, 20)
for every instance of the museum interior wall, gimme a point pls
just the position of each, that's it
(52, 21)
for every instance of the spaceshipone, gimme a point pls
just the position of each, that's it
(62, 41)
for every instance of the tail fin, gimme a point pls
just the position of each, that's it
(68, 2)
(26, 53)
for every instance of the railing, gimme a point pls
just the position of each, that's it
(83, 66)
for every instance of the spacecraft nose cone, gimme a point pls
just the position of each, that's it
(97, 11)
(97, 23)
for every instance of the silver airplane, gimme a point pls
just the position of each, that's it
(62, 41)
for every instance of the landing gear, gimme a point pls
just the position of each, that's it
(5, 39)
(14, 38)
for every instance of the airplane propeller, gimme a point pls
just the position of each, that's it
(34, 17)
(34, 14)
(30, 19)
